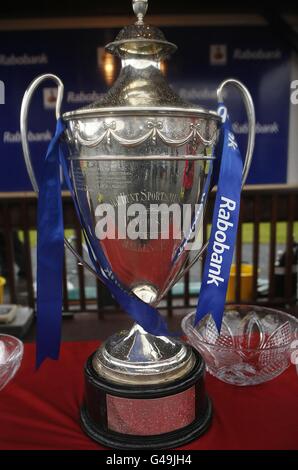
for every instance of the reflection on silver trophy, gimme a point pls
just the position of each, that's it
(140, 163)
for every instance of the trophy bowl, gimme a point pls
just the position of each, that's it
(139, 167)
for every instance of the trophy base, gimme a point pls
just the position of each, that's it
(152, 416)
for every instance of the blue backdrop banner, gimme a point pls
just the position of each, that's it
(251, 54)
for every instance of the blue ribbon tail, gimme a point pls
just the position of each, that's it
(224, 227)
(50, 252)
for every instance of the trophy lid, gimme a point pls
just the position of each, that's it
(140, 86)
(141, 40)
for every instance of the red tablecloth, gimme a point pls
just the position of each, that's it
(39, 410)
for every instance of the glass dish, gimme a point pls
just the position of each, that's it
(254, 345)
(11, 354)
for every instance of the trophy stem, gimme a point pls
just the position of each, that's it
(136, 357)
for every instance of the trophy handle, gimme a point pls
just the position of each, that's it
(250, 111)
(24, 132)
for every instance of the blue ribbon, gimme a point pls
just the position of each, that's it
(50, 249)
(224, 226)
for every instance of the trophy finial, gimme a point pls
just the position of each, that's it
(140, 9)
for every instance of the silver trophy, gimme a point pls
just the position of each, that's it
(142, 144)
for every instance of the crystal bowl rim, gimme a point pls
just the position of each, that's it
(19, 348)
(290, 318)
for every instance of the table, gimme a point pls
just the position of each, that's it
(40, 410)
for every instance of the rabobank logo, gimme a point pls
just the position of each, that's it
(261, 128)
(2, 92)
(83, 97)
(24, 59)
(14, 137)
(257, 54)
(80, 97)
(218, 54)
(196, 93)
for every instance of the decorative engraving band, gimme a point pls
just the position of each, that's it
(155, 129)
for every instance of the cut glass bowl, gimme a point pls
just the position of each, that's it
(255, 343)
(11, 353)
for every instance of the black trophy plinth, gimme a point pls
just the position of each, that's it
(146, 416)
